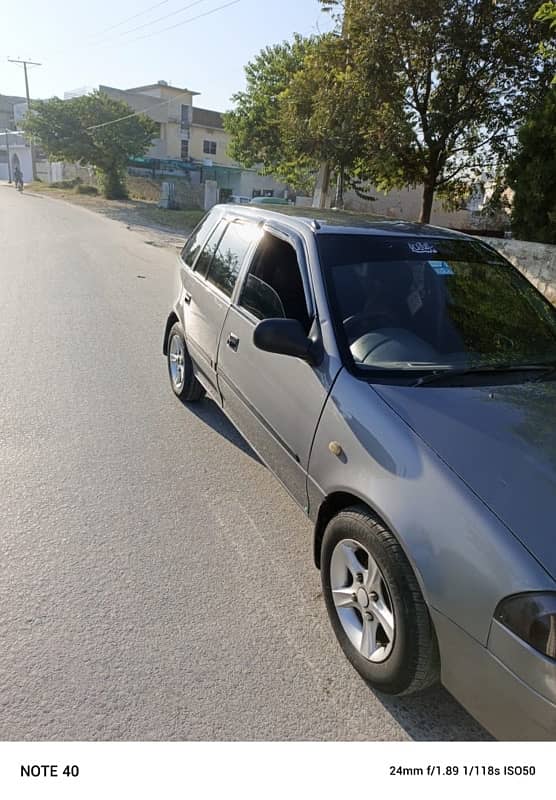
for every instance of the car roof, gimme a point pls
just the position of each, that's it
(322, 221)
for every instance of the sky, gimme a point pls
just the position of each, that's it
(113, 42)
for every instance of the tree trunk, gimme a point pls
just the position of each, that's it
(339, 203)
(112, 183)
(426, 203)
(323, 183)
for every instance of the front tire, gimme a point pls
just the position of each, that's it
(375, 605)
(180, 368)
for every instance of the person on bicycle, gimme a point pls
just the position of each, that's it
(18, 176)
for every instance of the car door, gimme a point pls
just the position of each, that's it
(274, 400)
(211, 285)
(204, 310)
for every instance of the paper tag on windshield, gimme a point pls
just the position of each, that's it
(441, 267)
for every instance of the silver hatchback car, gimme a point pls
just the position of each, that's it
(400, 381)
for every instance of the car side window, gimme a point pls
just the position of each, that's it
(274, 287)
(203, 262)
(197, 239)
(230, 254)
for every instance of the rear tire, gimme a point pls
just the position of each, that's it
(375, 605)
(180, 368)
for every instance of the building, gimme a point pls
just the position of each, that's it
(7, 118)
(14, 144)
(170, 107)
(193, 139)
(186, 132)
(83, 90)
(209, 140)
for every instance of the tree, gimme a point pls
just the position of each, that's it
(445, 83)
(301, 110)
(322, 112)
(84, 129)
(532, 175)
(547, 14)
(255, 124)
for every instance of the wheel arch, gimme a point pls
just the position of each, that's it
(329, 508)
(170, 322)
(337, 501)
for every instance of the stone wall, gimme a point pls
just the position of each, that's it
(536, 261)
(186, 194)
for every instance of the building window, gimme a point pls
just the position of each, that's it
(209, 147)
(185, 118)
(184, 149)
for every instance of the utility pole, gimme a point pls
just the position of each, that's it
(36, 64)
(8, 154)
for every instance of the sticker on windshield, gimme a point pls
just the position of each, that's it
(441, 267)
(422, 247)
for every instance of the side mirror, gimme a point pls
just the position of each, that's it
(287, 338)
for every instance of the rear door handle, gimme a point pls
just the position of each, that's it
(186, 297)
(232, 341)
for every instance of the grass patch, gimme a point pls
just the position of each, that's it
(175, 219)
(38, 186)
(83, 188)
(71, 184)
(133, 212)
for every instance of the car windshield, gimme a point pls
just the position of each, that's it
(430, 303)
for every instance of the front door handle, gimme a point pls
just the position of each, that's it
(186, 297)
(232, 341)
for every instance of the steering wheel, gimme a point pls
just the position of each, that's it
(502, 340)
(358, 324)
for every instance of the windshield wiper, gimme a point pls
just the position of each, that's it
(485, 369)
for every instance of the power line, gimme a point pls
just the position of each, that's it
(185, 21)
(171, 99)
(162, 30)
(129, 19)
(166, 16)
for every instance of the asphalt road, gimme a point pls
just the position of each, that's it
(156, 581)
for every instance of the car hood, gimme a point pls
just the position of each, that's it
(502, 442)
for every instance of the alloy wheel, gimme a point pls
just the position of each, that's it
(362, 600)
(176, 355)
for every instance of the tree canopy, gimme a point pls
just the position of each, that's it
(420, 92)
(446, 81)
(75, 130)
(301, 107)
(255, 124)
(547, 14)
(532, 175)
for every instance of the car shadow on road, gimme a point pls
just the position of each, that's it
(434, 716)
(208, 411)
